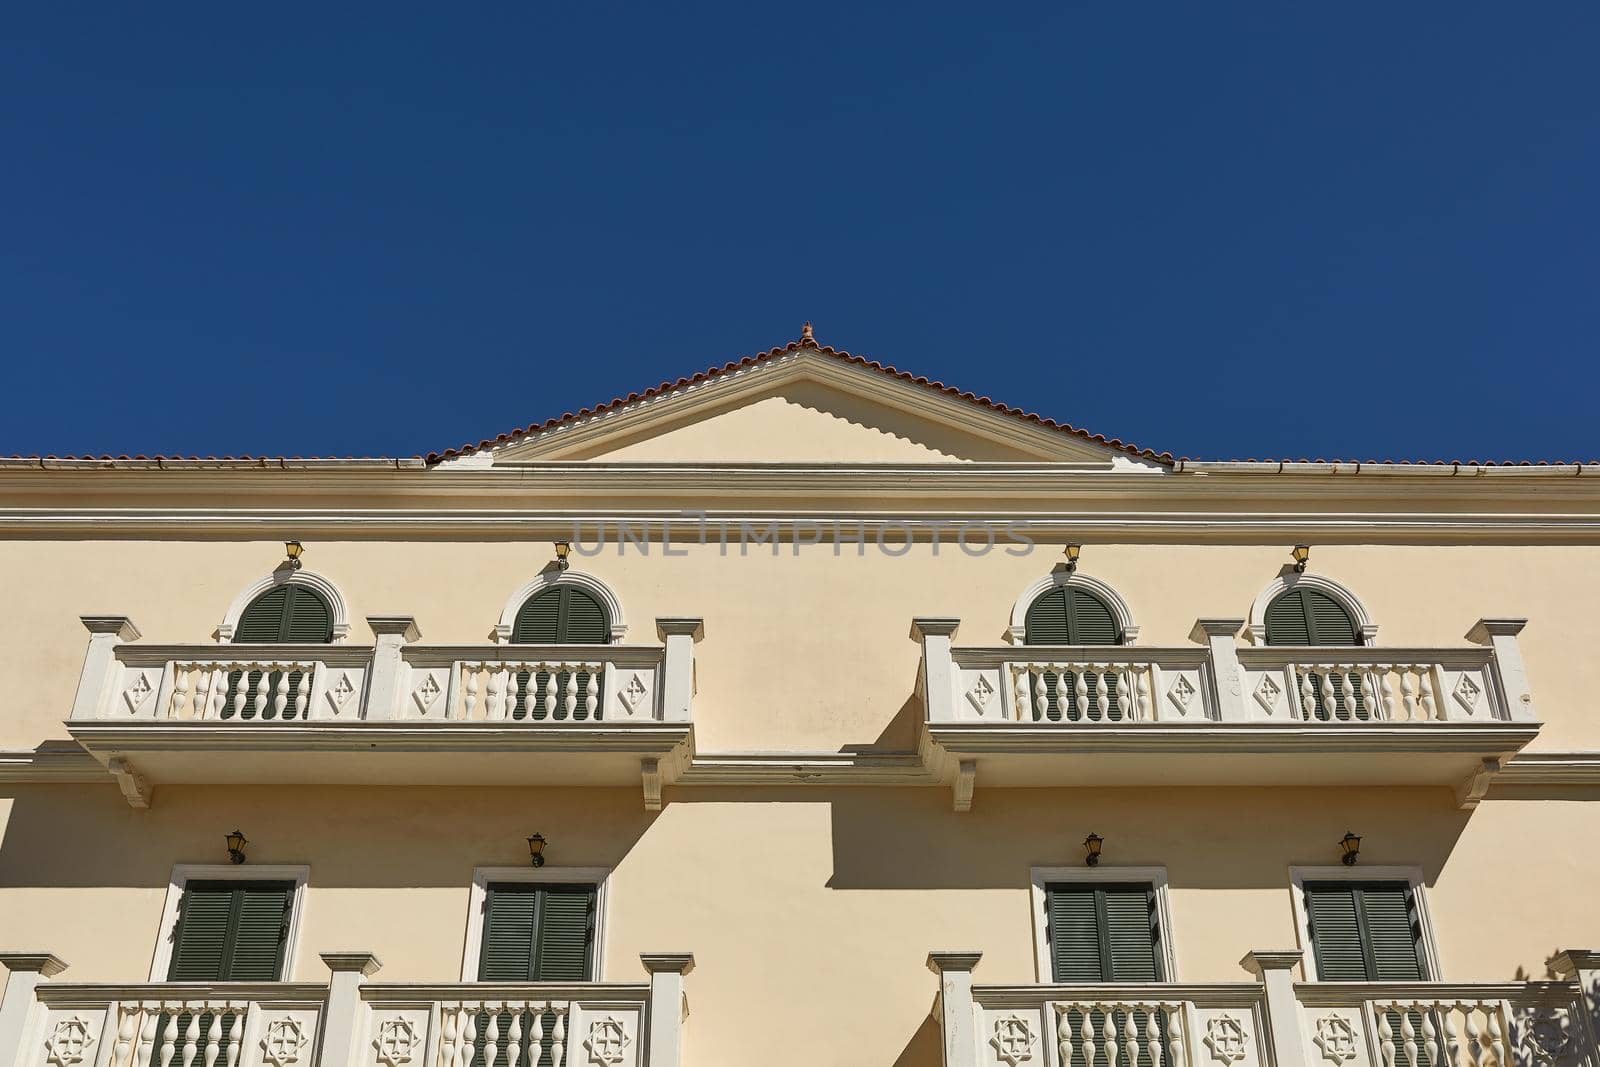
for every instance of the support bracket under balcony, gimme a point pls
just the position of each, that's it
(135, 789)
(1476, 785)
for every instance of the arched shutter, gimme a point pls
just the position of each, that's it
(561, 616)
(564, 615)
(1067, 615)
(286, 613)
(1309, 617)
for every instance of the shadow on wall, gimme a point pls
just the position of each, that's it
(923, 1049)
(88, 837)
(895, 839)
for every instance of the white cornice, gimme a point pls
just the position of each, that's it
(1149, 738)
(806, 768)
(1551, 769)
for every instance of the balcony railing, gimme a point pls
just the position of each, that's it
(1275, 1021)
(154, 708)
(1108, 707)
(345, 1023)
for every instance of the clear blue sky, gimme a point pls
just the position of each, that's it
(1217, 229)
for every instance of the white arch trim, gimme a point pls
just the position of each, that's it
(1063, 579)
(1365, 627)
(284, 576)
(553, 579)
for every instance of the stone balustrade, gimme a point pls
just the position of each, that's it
(348, 1021)
(1274, 1022)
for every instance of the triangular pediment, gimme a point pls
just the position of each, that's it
(801, 406)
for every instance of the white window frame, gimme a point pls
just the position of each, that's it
(1040, 877)
(184, 873)
(1413, 876)
(599, 877)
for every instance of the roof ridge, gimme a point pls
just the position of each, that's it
(807, 342)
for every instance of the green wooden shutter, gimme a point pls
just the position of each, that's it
(1103, 932)
(231, 932)
(1287, 622)
(1309, 617)
(1131, 930)
(262, 621)
(1073, 930)
(286, 613)
(535, 932)
(1067, 615)
(510, 924)
(566, 934)
(1364, 931)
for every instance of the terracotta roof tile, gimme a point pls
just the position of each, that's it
(825, 350)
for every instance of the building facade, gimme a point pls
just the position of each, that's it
(860, 722)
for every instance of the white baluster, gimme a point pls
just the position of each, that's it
(469, 683)
(1102, 697)
(514, 689)
(202, 691)
(1385, 1034)
(447, 1037)
(213, 1039)
(1408, 693)
(1452, 1039)
(1024, 694)
(1369, 695)
(1064, 1033)
(1328, 703)
(169, 1035)
(259, 698)
(1064, 705)
(1494, 1037)
(1080, 692)
(1176, 1020)
(236, 1034)
(1152, 1034)
(558, 1040)
(1425, 694)
(591, 693)
(1086, 1034)
(180, 689)
(1430, 1036)
(302, 694)
(514, 1038)
(494, 705)
(1308, 695)
(191, 1036)
(549, 689)
(241, 689)
(147, 1033)
(1474, 1046)
(1141, 682)
(536, 1040)
(469, 1035)
(280, 690)
(1130, 1034)
(127, 1033)
(491, 1045)
(1408, 1035)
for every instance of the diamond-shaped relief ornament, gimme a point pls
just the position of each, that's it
(607, 1042)
(1225, 1037)
(980, 694)
(1336, 1038)
(426, 692)
(634, 692)
(282, 1042)
(136, 692)
(1267, 693)
(1013, 1039)
(339, 692)
(69, 1042)
(395, 1043)
(1467, 693)
(1182, 694)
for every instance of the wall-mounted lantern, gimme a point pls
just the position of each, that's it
(291, 552)
(1351, 844)
(563, 549)
(536, 849)
(1091, 850)
(1072, 553)
(236, 843)
(1302, 556)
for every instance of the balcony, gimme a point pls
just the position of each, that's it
(347, 1021)
(1274, 1021)
(395, 711)
(1213, 713)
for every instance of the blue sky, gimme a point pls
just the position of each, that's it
(1220, 230)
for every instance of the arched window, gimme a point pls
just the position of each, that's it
(1069, 615)
(1309, 617)
(286, 613)
(561, 615)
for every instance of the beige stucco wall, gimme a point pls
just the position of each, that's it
(807, 651)
(810, 910)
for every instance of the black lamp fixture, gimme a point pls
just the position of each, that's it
(1351, 843)
(236, 843)
(563, 549)
(1073, 551)
(536, 849)
(291, 551)
(1302, 556)
(1091, 850)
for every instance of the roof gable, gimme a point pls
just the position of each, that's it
(802, 403)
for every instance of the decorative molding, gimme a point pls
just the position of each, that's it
(1061, 578)
(283, 1042)
(288, 576)
(135, 790)
(806, 768)
(607, 1042)
(1337, 1038)
(1227, 1039)
(553, 579)
(396, 1042)
(966, 781)
(69, 1042)
(1476, 785)
(650, 771)
(1257, 626)
(66, 764)
(1239, 738)
(1551, 770)
(1013, 1039)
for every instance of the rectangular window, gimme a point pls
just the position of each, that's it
(231, 931)
(538, 932)
(1365, 931)
(1103, 932)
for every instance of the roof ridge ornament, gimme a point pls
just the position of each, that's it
(806, 336)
